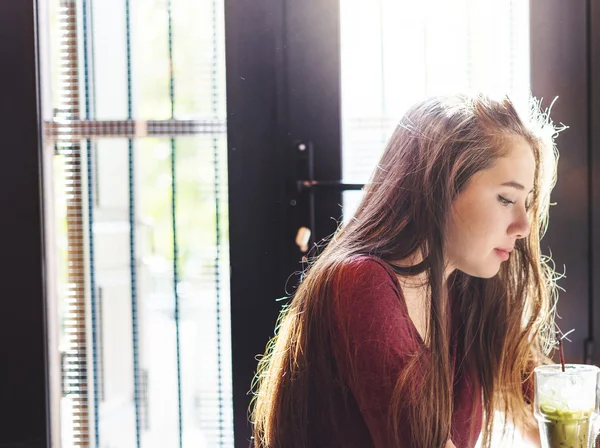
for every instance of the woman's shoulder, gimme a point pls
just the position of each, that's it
(370, 305)
(367, 275)
(366, 266)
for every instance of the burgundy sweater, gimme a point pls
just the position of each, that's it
(382, 340)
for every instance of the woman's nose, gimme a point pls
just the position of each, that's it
(520, 227)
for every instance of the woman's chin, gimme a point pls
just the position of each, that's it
(482, 270)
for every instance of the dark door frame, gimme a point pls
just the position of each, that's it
(279, 99)
(24, 391)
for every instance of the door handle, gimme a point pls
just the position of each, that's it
(303, 238)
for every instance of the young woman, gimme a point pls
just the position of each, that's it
(427, 311)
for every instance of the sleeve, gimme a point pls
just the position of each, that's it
(375, 340)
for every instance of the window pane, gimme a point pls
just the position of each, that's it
(396, 52)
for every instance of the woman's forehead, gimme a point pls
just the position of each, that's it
(516, 167)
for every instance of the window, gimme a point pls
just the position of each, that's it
(140, 222)
(394, 53)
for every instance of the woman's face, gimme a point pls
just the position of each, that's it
(490, 213)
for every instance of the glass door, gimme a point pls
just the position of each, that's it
(136, 145)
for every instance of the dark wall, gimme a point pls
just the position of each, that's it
(594, 170)
(560, 63)
(283, 89)
(23, 379)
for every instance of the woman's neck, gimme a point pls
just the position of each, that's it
(422, 278)
(417, 295)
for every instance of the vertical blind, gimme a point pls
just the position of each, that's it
(139, 143)
(396, 52)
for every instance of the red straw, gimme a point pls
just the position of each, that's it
(562, 355)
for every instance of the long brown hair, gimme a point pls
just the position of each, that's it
(436, 148)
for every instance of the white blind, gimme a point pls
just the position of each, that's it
(396, 52)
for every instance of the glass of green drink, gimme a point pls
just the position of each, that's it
(566, 404)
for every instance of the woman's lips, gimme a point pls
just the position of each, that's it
(503, 254)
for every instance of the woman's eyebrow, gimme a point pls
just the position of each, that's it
(514, 184)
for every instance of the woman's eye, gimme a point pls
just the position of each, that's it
(504, 201)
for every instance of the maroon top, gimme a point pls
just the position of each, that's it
(382, 339)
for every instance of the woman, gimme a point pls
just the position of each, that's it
(427, 312)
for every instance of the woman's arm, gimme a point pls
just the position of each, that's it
(450, 444)
(532, 437)
(532, 434)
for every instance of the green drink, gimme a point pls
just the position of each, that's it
(566, 404)
(564, 428)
